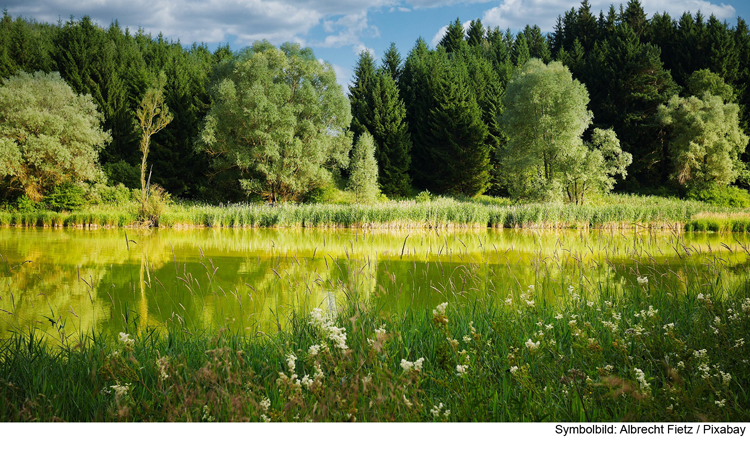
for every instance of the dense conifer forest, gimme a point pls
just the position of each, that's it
(439, 119)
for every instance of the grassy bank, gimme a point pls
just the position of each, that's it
(616, 211)
(657, 349)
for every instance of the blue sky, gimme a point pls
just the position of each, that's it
(337, 30)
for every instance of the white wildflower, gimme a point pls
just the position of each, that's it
(162, 365)
(532, 346)
(461, 369)
(721, 403)
(121, 391)
(407, 402)
(412, 366)
(265, 404)
(290, 359)
(467, 339)
(126, 340)
(642, 280)
(641, 378)
(559, 316)
(440, 309)
(514, 369)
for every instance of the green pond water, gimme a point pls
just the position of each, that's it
(63, 281)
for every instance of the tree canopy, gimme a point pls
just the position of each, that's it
(279, 117)
(705, 140)
(48, 134)
(545, 115)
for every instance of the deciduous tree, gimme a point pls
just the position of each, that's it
(280, 118)
(48, 134)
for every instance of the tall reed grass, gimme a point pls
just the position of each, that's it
(616, 211)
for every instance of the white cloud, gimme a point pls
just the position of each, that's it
(516, 14)
(217, 21)
(423, 4)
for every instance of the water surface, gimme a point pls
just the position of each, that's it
(255, 280)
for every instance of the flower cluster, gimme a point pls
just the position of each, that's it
(641, 378)
(333, 333)
(642, 280)
(438, 314)
(412, 366)
(121, 391)
(162, 364)
(437, 410)
(126, 340)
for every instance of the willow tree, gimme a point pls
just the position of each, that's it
(279, 118)
(545, 115)
(48, 135)
(706, 140)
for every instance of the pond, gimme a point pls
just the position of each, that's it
(63, 281)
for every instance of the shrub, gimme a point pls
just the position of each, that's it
(155, 205)
(67, 196)
(729, 196)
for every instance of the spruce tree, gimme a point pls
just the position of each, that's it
(391, 137)
(476, 35)
(420, 69)
(360, 94)
(520, 53)
(453, 38)
(457, 138)
(392, 62)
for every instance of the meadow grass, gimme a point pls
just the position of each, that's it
(668, 344)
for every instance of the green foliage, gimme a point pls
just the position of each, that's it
(122, 172)
(459, 154)
(48, 135)
(360, 95)
(423, 197)
(391, 137)
(153, 115)
(363, 178)
(705, 140)
(280, 118)
(67, 196)
(544, 118)
(704, 81)
(26, 205)
(592, 168)
(722, 196)
(155, 206)
(116, 195)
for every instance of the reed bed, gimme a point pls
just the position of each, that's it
(668, 343)
(616, 211)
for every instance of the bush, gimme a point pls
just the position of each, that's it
(26, 205)
(110, 195)
(67, 196)
(155, 205)
(423, 197)
(728, 196)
